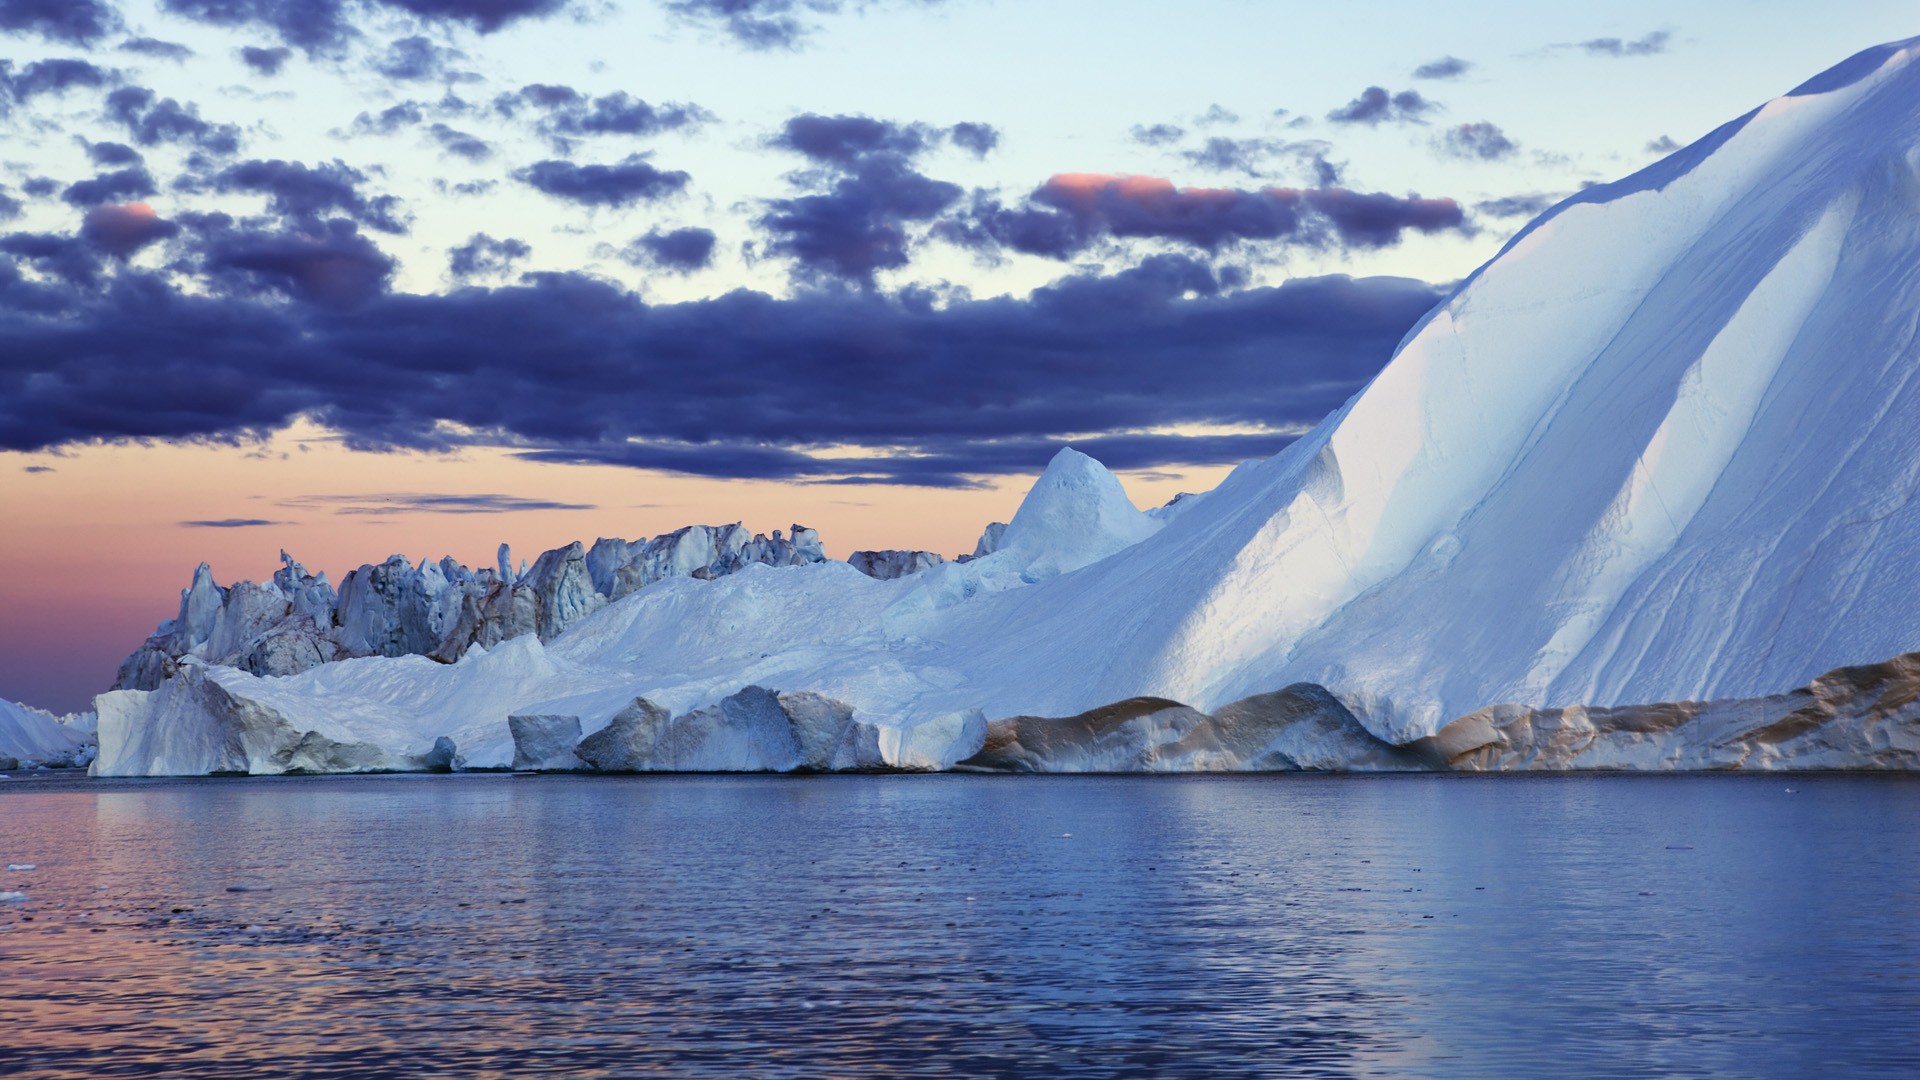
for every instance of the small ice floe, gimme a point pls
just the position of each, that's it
(12, 897)
(249, 888)
(1791, 791)
(1066, 836)
(21, 867)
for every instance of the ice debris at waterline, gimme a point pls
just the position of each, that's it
(1662, 448)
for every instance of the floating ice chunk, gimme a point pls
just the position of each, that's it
(12, 897)
(21, 867)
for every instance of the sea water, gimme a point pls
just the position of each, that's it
(962, 925)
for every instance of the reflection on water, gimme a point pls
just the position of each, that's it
(954, 925)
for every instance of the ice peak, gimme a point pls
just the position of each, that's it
(1076, 513)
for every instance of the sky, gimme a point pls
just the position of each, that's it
(357, 277)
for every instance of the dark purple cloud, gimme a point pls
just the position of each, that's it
(631, 181)
(567, 367)
(561, 112)
(152, 120)
(10, 207)
(483, 256)
(390, 119)
(485, 16)
(1158, 134)
(113, 153)
(418, 58)
(305, 194)
(1649, 45)
(1477, 142)
(756, 24)
(1073, 211)
(1375, 106)
(75, 22)
(460, 143)
(862, 203)
(228, 523)
(315, 26)
(325, 27)
(976, 139)
(120, 185)
(1447, 67)
(122, 230)
(266, 61)
(845, 141)
(40, 186)
(159, 50)
(389, 503)
(327, 264)
(680, 251)
(1663, 145)
(1509, 206)
(55, 76)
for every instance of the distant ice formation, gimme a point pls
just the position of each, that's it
(30, 737)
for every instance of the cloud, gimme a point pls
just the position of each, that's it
(305, 194)
(1217, 114)
(1251, 156)
(1532, 205)
(1447, 67)
(1663, 146)
(859, 207)
(328, 263)
(159, 50)
(325, 27)
(37, 469)
(390, 119)
(681, 251)
(385, 503)
(630, 181)
(10, 207)
(755, 24)
(486, 16)
(113, 153)
(1655, 42)
(562, 112)
(1072, 211)
(460, 143)
(228, 523)
(121, 231)
(1158, 134)
(152, 121)
(846, 141)
(566, 367)
(74, 22)
(1375, 105)
(55, 76)
(1476, 142)
(266, 61)
(418, 59)
(117, 186)
(483, 256)
(976, 139)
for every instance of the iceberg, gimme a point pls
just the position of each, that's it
(30, 737)
(1639, 476)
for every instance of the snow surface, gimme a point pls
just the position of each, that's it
(1662, 448)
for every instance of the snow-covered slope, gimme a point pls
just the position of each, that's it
(1662, 448)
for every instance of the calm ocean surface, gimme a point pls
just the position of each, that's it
(949, 925)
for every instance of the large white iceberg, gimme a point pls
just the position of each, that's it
(1663, 448)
